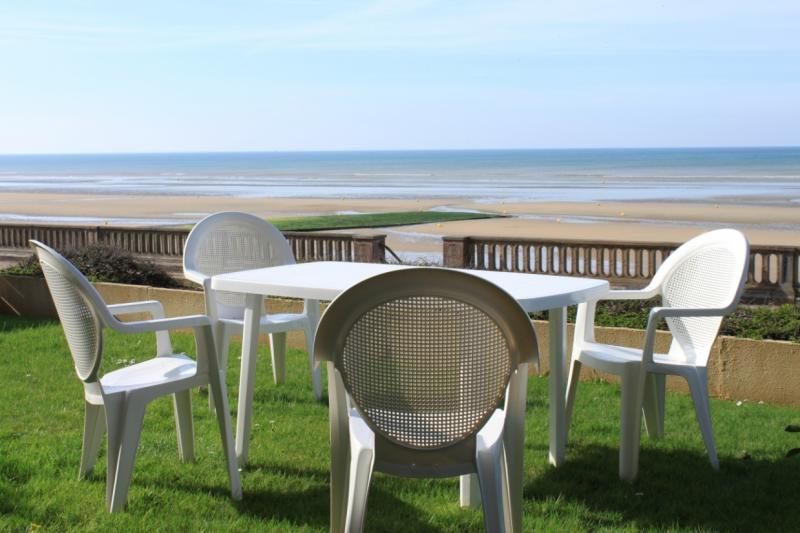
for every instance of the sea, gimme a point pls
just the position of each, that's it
(757, 175)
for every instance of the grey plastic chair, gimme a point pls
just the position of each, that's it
(423, 356)
(230, 242)
(122, 395)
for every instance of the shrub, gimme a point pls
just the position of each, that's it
(779, 323)
(100, 262)
(775, 323)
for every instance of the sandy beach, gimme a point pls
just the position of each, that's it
(777, 224)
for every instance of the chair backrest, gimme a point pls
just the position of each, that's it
(425, 353)
(229, 242)
(80, 310)
(708, 271)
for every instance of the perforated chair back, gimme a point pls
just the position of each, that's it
(708, 271)
(426, 353)
(229, 242)
(78, 306)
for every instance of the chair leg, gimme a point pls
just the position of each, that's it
(631, 421)
(129, 442)
(514, 446)
(277, 346)
(113, 405)
(218, 391)
(182, 402)
(572, 388)
(653, 407)
(698, 385)
(362, 460)
(314, 367)
(94, 425)
(340, 449)
(492, 480)
(221, 341)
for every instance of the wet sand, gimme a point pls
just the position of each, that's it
(777, 223)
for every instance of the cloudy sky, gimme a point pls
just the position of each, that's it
(81, 76)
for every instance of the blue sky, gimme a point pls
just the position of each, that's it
(80, 76)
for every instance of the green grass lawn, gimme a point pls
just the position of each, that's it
(369, 220)
(286, 484)
(373, 220)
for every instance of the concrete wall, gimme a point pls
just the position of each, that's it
(738, 368)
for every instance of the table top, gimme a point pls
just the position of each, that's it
(325, 280)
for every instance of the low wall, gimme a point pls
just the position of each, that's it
(738, 368)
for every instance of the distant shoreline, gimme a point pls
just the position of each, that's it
(672, 221)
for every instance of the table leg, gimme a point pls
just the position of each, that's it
(557, 319)
(252, 319)
(312, 310)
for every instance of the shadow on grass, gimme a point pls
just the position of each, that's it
(676, 488)
(311, 506)
(10, 323)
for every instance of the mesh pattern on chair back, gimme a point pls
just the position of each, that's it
(707, 278)
(236, 245)
(81, 326)
(426, 371)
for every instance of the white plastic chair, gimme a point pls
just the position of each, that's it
(123, 394)
(419, 360)
(699, 283)
(230, 242)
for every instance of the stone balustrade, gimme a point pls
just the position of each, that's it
(164, 246)
(772, 278)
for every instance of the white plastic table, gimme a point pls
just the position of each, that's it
(327, 279)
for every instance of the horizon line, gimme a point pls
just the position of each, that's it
(397, 150)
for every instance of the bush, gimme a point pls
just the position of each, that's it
(780, 323)
(100, 262)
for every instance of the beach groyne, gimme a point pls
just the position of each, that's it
(773, 277)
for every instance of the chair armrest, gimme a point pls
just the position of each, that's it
(663, 312)
(657, 313)
(640, 294)
(197, 277)
(156, 310)
(161, 324)
(153, 307)
(584, 321)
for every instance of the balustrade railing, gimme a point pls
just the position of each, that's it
(773, 271)
(165, 246)
(774, 274)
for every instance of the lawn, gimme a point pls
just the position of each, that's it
(286, 484)
(373, 220)
(369, 220)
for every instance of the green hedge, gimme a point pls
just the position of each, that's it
(776, 323)
(100, 262)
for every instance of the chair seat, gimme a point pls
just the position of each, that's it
(156, 371)
(284, 320)
(607, 356)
